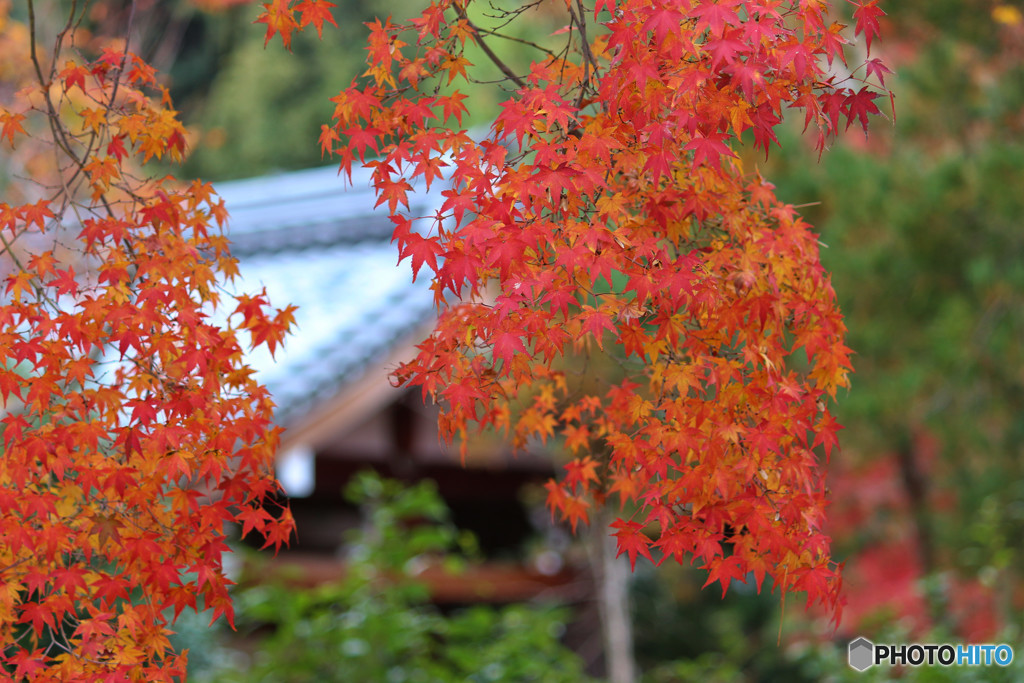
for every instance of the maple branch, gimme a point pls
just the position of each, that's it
(38, 288)
(514, 39)
(495, 59)
(9, 248)
(33, 49)
(13, 565)
(52, 114)
(510, 15)
(588, 56)
(124, 60)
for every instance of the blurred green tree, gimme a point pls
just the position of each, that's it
(925, 228)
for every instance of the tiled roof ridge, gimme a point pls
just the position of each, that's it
(349, 360)
(314, 241)
(313, 234)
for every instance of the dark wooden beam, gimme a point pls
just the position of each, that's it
(488, 582)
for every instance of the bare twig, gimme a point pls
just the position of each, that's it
(478, 35)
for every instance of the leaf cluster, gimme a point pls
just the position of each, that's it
(133, 433)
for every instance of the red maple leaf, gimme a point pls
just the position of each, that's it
(715, 16)
(724, 570)
(279, 18)
(419, 250)
(860, 105)
(867, 15)
(315, 12)
(708, 149)
(631, 540)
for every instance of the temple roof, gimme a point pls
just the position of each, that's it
(314, 242)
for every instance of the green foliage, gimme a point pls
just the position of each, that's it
(676, 620)
(257, 110)
(925, 233)
(263, 111)
(710, 667)
(376, 623)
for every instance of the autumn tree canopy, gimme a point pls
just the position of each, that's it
(607, 220)
(132, 431)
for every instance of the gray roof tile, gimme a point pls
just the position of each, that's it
(314, 243)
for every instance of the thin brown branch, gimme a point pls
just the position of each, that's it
(495, 59)
(580, 16)
(521, 41)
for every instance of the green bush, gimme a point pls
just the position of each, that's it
(376, 623)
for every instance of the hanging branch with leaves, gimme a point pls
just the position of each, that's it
(133, 433)
(607, 221)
